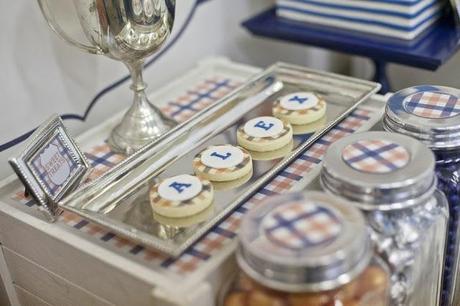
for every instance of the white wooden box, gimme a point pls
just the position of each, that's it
(54, 264)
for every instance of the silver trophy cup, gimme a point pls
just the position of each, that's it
(128, 31)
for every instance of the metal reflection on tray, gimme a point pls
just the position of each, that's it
(226, 185)
(119, 199)
(303, 129)
(273, 155)
(171, 227)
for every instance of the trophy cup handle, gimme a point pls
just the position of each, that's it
(60, 32)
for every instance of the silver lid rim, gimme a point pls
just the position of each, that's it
(437, 133)
(410, 185)
(339, 281)
(321, 268)
(427, 138)
(367, 204)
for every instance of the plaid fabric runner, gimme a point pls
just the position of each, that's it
(432, 105)
(194, 100)
(375, 156)
(223, 233)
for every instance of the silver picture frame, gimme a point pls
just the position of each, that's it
(51, 165)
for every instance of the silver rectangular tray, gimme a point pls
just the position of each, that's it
(119, 199)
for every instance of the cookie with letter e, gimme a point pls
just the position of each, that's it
(300, 108)
(181, 196)
(263, 134)
(222, 163)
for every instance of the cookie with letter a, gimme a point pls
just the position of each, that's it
(181, 196)
(263, 134)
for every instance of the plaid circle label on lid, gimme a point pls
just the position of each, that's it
(375, 156)
(299, 226)
(433, 105)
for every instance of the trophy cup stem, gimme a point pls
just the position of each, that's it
(143, 122)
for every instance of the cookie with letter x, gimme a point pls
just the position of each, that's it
(264, 134)
(300, 108)
(181, 196)
(222, 163)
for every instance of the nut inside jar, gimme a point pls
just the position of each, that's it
(370, 288)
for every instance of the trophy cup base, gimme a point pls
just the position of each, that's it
(142, 124)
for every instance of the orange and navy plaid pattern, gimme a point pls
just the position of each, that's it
(299, 226)
(221, 234)
(278, 109)
(432, 105)
(102, 159)
(375, 156)
(202, 168)
(201, 96)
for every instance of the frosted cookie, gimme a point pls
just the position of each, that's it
(309, 128)
(275, 154)
(222, 186)
(222, 163)
(181, 196)
(299, 108)
(264, 134)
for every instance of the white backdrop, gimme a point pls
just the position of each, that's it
(41, 74)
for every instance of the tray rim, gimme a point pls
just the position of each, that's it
(89, 189)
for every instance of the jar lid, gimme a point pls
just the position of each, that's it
(379, 170)
(428, 113)
(304, 242)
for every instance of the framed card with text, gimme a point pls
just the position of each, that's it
(51, 165)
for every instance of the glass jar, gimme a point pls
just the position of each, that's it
(431, 115)
(448, 172)
(306, 249)
(391, 178)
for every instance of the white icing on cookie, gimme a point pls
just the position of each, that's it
(222, 157)
(264, 127)
(180, 188)
(299, 101)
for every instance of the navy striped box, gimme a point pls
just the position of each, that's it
(401, 19)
